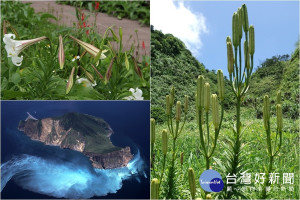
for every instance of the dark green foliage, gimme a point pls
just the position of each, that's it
(276, 73)
(173, 65)
(93, 131)
(135, 10)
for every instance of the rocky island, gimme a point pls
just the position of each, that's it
(80, 132)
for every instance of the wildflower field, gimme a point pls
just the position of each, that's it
(44, 60)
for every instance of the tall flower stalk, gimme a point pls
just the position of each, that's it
(239, 75)
(272, 147)
(175, 127)
(206, 103)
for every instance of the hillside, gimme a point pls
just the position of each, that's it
(174, 65)
(280, 72)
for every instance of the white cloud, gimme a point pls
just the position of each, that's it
(180, 21)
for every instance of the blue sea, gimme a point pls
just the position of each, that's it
(32, 170)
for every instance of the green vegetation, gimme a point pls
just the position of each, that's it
(135, 10)
(106, 75)
(247, 143)
(93, 131)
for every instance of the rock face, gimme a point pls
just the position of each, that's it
(84, 133)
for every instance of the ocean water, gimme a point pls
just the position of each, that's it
(30, 169)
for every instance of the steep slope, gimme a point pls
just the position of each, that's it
(80, 132)
(173, 65)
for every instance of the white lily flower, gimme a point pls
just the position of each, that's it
(85, 82)
(136, 94)
(14, 47)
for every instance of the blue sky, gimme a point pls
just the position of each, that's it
(209, 22)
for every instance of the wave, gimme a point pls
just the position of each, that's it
(68, 179)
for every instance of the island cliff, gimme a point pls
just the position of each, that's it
(80, 132)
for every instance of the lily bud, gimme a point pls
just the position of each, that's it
(228, 39)
(109, 70)
(279, 117)
(221, 87)
(70, 81)
(154, 188)
(235, 29)
(230, 59)
(246, 55)
(88, 75)
(266, 112)
(240, 28)
(61, 54)
(168, 107)
(278, 100)
(172, 96)
(164, 142)
(97, 72)
(215, 110)
(181, 158)
(92, 50)
(192, 182)
(206, 96)
(200, 89)
(4, 27)
(251, 40)
(152, 131)
(126, 62)
(186, 103)
(245, 18)
(178, 111)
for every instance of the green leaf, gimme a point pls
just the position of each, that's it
(47, 16)
(10, 94)
(15, 78)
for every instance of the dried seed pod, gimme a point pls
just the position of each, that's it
(245, 18)
(251, 40)
(279, 117)
(168, 107)
(266, 112)
(215, 110)
(200, 89)
(230, 59)
(192, 182)
(154, 188)
(164, 142)
(206, 96)
(235, 30)
(152, 131)
(186, 103)
(178, 111)
(221, 87)
(278, 99)
(246, 55)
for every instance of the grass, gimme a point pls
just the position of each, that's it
(256, 158)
